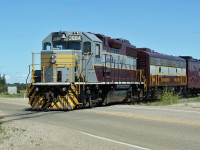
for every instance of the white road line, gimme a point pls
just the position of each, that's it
(166, 109)
(113, 141)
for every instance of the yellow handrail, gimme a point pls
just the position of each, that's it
(43, 70)
(43, 75)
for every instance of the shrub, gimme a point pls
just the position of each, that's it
(167, 98)
(197, 99)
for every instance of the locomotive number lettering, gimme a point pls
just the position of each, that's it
(177, 80)
(165, 80)
(153, 80)
(74, 38)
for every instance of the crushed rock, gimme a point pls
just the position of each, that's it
(28, 135)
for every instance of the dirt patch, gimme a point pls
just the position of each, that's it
(3, 135)
(28, 135)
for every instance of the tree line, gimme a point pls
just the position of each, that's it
(4, 85)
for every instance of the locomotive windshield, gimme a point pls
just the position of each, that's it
(67, 45)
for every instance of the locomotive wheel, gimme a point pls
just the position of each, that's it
(84, 102)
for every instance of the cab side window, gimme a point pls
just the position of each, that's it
(97, 50)
(47, 46)
(87, 47)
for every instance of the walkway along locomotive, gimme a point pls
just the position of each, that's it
(80, 69)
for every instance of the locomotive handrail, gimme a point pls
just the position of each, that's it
(43, 71)
(28, 74)
(140, 77)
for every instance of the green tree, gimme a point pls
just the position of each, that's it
(20, 86)
(3, 85)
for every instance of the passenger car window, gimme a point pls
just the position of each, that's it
(159, 69)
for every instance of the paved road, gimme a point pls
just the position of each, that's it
(119, 126)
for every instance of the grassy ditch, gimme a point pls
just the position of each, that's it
(168, 98)
(1, 129)
(189, 100)
(197, 99)
(6, 95)
(165, 98)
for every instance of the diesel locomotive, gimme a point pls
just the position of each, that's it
(80, 69)
(83, 69)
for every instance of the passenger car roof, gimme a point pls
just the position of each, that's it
(163, 56)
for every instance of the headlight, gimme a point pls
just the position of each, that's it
(53, 61)
(53, 58)
(36, 89)
(64, 89)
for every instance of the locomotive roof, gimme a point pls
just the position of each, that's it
(90, 35)
(116, 40)
(190, 58)
(160, 55)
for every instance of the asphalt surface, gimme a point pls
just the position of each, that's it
(118, 126)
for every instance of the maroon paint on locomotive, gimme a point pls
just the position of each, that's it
(114, 43)
(193, 72)
(118, 46)
(116, 74)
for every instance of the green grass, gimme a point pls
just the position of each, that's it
(6, 95)
(188, 100)
(168, 98)
(165, 98)
(197, 99)
(1, 129)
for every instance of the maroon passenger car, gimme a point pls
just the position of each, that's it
(193, 74)
(162, 70)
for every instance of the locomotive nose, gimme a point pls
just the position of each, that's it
(58, 66)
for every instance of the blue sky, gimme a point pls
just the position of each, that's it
(170, 27)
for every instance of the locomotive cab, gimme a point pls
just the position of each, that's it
(68, 57)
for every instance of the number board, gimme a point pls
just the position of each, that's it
(74, 38)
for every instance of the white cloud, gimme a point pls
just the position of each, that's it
(69, 13)
(23, 77)
(8, 77)
(16, 77)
